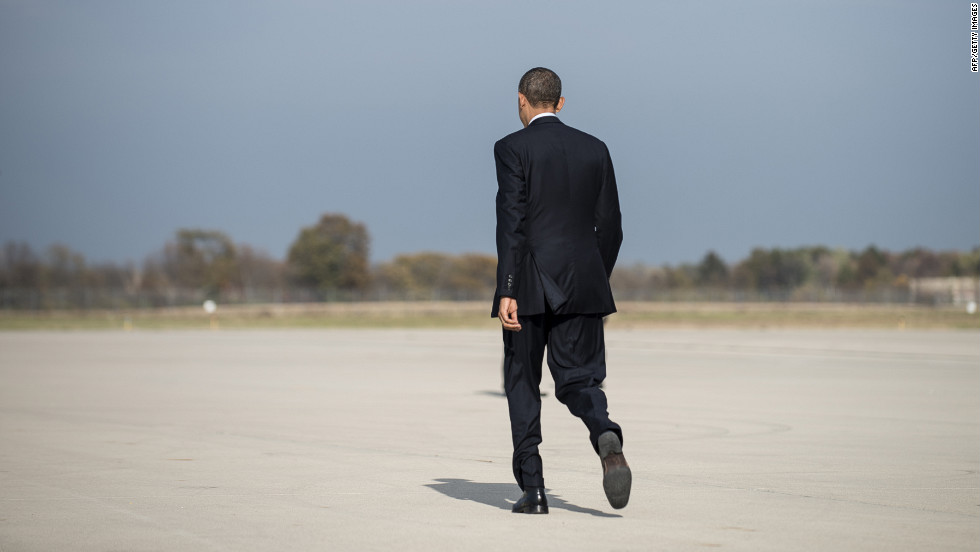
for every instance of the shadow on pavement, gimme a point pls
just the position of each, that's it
(495, 494)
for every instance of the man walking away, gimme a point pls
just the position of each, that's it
(559, 231)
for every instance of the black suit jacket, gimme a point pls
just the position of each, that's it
(559, 227)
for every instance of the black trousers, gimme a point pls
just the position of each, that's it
(577, 359)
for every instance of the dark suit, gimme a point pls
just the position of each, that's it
(558, 235)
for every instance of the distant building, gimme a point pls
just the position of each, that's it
(957, 290)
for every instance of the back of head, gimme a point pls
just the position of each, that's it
(541, 87)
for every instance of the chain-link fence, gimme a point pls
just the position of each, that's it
(938, 291)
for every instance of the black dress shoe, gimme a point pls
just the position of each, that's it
(616, 475)
(532, 502)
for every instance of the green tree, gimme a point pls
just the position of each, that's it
(773, 270)
(64, 268)
(258, 270)
(969, 263)
(474, 273)
(712, 271)
(201, 259)
(20, 268)
(680, 277)
(869, 264)
(637, 281)
(333, 254)
(429, 274)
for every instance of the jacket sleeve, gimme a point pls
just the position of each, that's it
(608, 219)
(511, 215)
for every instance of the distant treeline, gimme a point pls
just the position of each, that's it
(807, 273)
(329, 261)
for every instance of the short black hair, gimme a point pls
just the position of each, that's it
(541, 87)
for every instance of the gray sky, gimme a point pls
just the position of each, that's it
(732, 125)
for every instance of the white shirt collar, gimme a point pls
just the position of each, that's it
(539, 115)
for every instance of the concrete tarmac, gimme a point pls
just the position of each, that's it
(399, 440)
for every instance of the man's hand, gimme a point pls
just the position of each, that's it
(508, 314)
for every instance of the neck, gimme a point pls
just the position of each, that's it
(532, 113)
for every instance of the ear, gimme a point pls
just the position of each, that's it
(561, 104)
(521, 100)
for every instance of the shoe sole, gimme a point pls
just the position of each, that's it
(617, 483)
